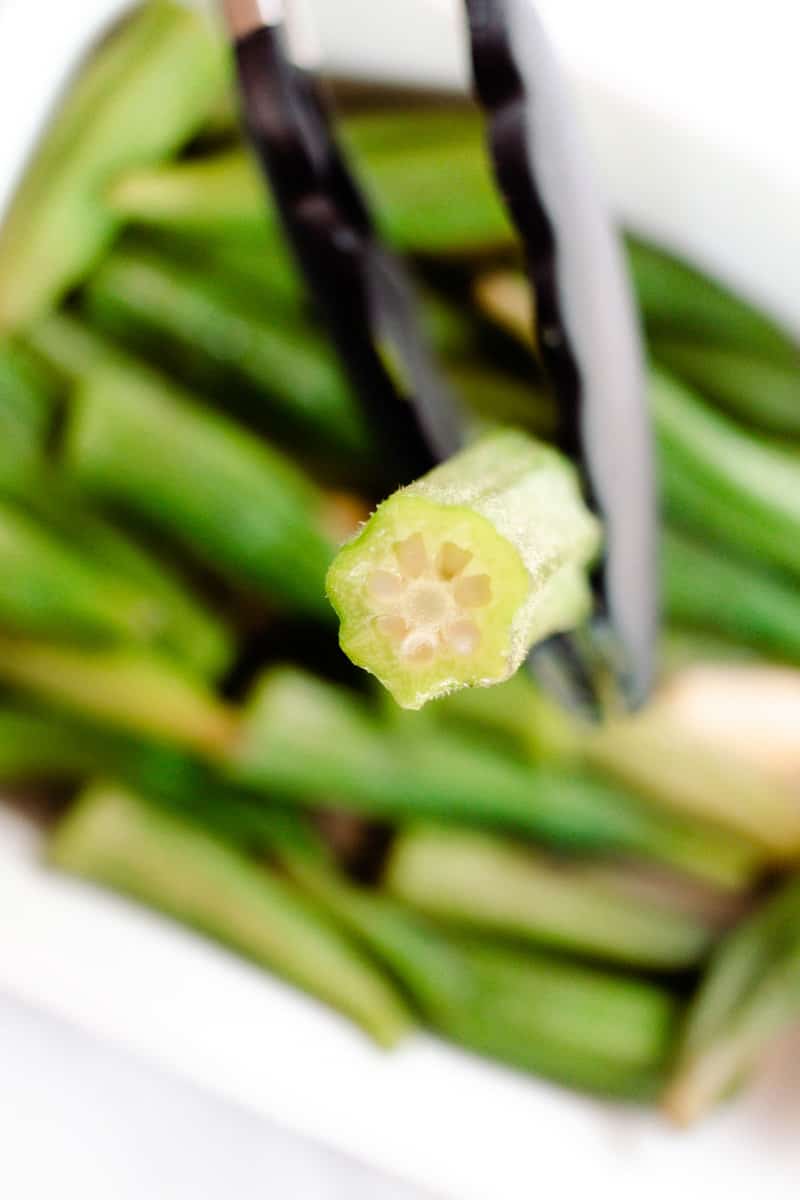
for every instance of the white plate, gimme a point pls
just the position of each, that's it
(695, 139)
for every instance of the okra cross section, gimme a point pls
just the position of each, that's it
(455, 577)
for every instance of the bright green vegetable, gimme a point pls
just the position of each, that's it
(679, 301)
(750, 994)
(577, 1026)
(407, 161)
(148, 91)
(479, 882)
(715, 478)
(649, 753)
(270, 368)
(760, 392)
(139, 444)
(747, 492)
(713, 590)
(131, 689)
(304, 740)
(40, 747)
(454, 578)
(49, 589)
(112, 837)
(26, 411)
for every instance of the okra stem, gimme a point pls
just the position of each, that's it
(479, 882)
(130, 689)
(455, 577)
(303, 740)
(149, 90)
(114, 838)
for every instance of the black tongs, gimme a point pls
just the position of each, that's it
(585, 323)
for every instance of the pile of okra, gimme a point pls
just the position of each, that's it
(611, 907)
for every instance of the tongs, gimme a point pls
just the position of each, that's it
(586, 328)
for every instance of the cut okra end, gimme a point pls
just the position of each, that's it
(454, 578)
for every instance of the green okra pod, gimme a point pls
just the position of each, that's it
(715, 477)
(455, 577)
(147, 93)
(580, 1027)
(407, 161)
(751, 994)
(131, 689)
(763, 394)
(305, 741)
(748, 492)
(49, 589)
(224, 343)
(139, 444)
(114, 838)
(650, 753)
(709, 589)
(481, 883)
(679, 301)
(26, 410)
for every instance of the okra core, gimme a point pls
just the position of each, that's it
(453, 578)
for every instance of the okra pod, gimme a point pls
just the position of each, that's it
(763, 394)
(303, 740)
(679, 301)
(407, 173)
(225, 344)
(26, 411)
(706, 588)
(131, 689)
(455, 577)
(481, 883)
(715, 478)
(750, 490)
(49, 589)
(137, 443)
(39, 747)
(114, 838)
(580, 1027)
(148, 92)
(750, 994)
(654, 755)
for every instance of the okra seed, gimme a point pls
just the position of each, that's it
(463, 637)
(393, 627)
(418, 648)
(452, 560)
(385, 585)
(411, 555)
(475, 591)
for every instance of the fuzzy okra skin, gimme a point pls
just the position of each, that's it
(137, 443)
(482, 883)
(131, 689)
(456, 576)
(749, 996)
(148, 92)
(301, 740)
(115, 838)
(579, 1027)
